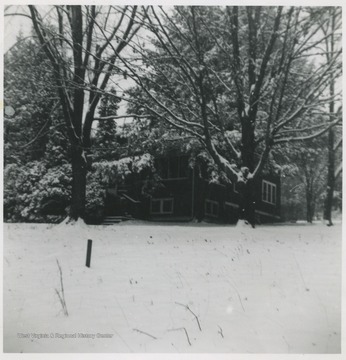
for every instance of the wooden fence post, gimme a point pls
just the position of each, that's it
(88, 256)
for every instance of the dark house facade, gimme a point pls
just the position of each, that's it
(184, 195)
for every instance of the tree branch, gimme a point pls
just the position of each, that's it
(307, 137)
(115, 117)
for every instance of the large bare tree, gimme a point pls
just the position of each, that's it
(240, 80)
(83, 44)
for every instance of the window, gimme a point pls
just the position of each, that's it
(211, 208)
(173, 167)
(162, 206)
(268, 192)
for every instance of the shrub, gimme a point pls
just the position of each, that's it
(33, 193)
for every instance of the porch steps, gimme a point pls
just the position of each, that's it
(111, 220)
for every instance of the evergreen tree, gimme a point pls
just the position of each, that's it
(29, 91)
(105, 144)
(36, 178)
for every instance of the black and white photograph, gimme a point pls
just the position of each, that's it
(172, 178)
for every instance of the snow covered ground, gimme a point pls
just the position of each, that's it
(173, 288)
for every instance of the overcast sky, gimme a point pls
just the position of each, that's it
(13, 25)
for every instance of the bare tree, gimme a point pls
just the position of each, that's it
(83, 44)
(241, 80)
(332, 43)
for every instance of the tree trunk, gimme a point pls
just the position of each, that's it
(309, 206)
(247, 195)
(331, 153)
(79, 172)
(248, 143)
(247, 204)
(330, 179)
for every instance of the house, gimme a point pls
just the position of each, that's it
(182, 195)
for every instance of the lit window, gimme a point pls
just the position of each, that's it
(268, 192)
(211, 208)
(162, 206)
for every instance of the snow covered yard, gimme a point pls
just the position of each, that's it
(173, 288)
